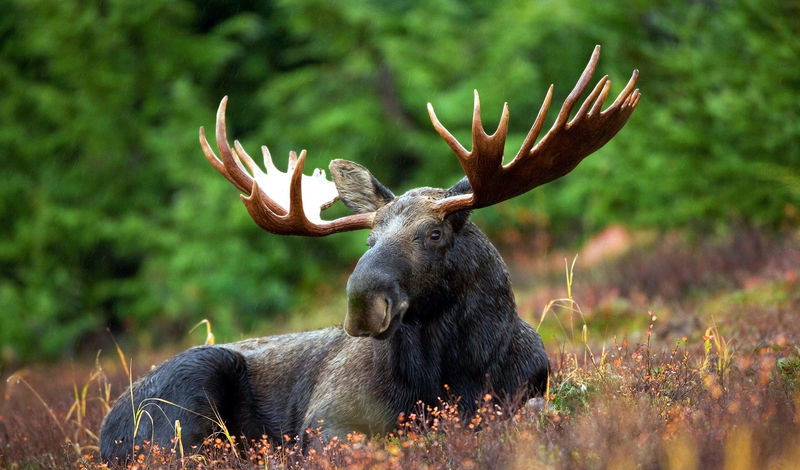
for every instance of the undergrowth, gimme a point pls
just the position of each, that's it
(724, 396)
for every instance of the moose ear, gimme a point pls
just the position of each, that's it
(462, 187)
(358, 189)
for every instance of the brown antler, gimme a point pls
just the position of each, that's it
(564, 146)
(277, 207)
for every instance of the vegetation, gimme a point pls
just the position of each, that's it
(707, 381)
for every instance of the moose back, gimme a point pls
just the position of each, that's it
(430, 308)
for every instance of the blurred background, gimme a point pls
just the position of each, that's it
(112, 221)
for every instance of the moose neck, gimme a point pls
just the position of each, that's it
(465, 328)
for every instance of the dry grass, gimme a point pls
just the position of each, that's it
(720, 393)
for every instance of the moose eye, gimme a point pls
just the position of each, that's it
(435, 235)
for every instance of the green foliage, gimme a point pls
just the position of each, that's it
(789, 369)
(572, 396)
(110, 217)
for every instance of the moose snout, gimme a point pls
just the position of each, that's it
(375, 306)
(368, 315)
(376, 302)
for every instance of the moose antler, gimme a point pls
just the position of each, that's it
(560, 151)
(275, 200)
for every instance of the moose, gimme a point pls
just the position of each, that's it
(430, 308)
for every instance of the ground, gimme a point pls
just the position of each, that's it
(667, 351)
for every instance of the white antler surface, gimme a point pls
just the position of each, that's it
(318, 192)
(283, 203)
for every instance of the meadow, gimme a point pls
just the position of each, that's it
(667, 351)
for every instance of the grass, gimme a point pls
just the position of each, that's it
(705, 378)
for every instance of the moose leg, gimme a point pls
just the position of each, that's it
(203, 388)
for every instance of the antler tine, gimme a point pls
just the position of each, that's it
(590, 100)
(624, 94)
(485, 145)
(295, 189)
(212, 158)
(267, 158)
(239, 176)
(251, 165)
(598, 105)
(454, 144)
(486, 156)
(580, 87)
(478, 134)
(536, 129)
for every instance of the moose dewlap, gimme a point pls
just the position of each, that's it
(430, 309)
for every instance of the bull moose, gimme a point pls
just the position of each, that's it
(430, 308)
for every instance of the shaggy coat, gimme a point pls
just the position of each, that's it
(430, 305)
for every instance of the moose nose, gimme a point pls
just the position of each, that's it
(367, 315)
(375, 300)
